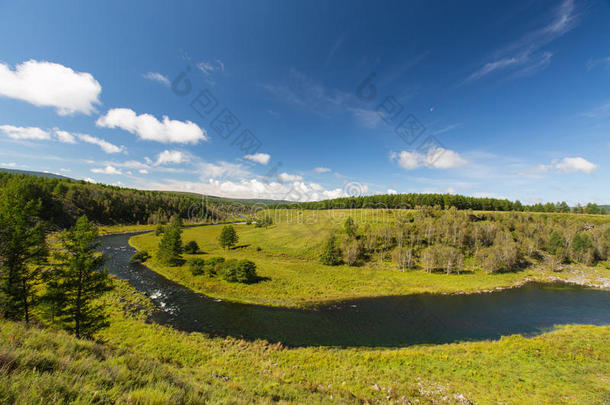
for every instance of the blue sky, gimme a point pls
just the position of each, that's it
(326, 98)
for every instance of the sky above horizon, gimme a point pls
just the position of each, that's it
(312, 100)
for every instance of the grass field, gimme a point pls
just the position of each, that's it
(286, 255)
(139, 363)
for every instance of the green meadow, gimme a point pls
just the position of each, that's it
(287, 258)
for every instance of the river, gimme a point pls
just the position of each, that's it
(380, 322)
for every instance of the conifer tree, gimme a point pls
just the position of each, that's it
(23, 250)
(228, 237)
(80, 280)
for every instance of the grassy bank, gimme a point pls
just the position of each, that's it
(140, 363)
(286, 255)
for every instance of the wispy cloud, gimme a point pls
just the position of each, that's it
(603, 62)
(522, 57)
(157, 77)
(603, 111)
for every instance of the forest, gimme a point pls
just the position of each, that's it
(414, 200)
(63, 201)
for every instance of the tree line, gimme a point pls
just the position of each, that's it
(413, 200)
(449, 240)
(63, 201)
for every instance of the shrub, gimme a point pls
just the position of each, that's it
(139, 257)
(191, 247)
(196, 266)
(242, 271)
(214, 265)
(331, 254)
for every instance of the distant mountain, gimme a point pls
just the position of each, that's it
(38, 174)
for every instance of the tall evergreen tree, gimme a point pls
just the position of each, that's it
(23, 249)
(80, 280)
(170, 246)
(228, 237)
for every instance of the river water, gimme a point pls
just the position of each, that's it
(381, 322)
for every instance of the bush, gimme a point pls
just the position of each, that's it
(196, 266)
(243, 271)
(214, 265)
(191, 248)
(139, 257)
(331, 254)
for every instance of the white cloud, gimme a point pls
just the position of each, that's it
(107, 170)
(289, 177)
(24, 132)
(321, 170)
(143, 171)
(8, 164)
(222, 169)
(157, 77)
(565, 165)
(574, 164)
(47, 84)
(392, 191)
(90, 180)
(262, 158)
(105, 146)
(64, 136)
(436, 158)
(147, 127)
(253, 188)
(171, 156)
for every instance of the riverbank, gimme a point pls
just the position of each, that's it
(293, 277)
(133, 361)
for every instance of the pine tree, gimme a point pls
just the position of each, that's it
(170, 246)
(80, 281)
(228, 237)
(23, 249)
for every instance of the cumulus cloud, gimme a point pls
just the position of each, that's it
(147, 127)
(285, 177)
(21, 133)
(392, 191)
(569, 165)
(107, 170)
(262, 158)
(104, 145)
(157, 77)
(321, 170)
(436, 158)
(171, 157)
(253, 188)
(64, 136)
(47, 84)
